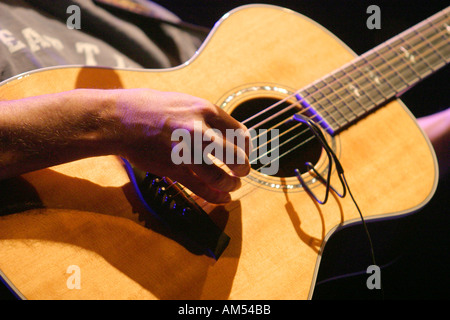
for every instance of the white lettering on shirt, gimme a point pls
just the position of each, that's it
(10, 42)
(56, 43)
(89, 50)
(36, 42)
(34, 39)
(120, 61)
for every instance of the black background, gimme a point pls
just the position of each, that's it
(421, 269)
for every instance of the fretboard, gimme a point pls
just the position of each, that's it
(374, 78)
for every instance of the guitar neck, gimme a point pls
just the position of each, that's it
(383, 73)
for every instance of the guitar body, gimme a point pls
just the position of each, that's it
(86, 213)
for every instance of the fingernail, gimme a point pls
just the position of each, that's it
(226, 198)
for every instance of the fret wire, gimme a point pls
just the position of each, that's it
(377, 66)
(426, 37)
(396, 71)
(387, 66)
(356, 89)
(399, 36)
(383, 64)
(417, 54)
(335, 93)
(408, 59)
(374, 67)
(362, 87)
(429, 56)
(309, 107)
(379, 79)
(420, 25)
(385, 80)
(341, 102)
(323, 110)
(343, 95)
(374, 53)
(322, 119)
(328, 98)
(433, 59)
(308, 104)
(434, 23)
(334, 110)
(379, 71)
(374, 80)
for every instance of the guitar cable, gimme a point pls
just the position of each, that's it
(366, 230)
(340, 170)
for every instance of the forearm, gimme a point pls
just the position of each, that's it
(48, 130)
(137, 124)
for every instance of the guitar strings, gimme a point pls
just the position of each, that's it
(368, 63)
(306, 109)
(427, 51)
(371, 87)
(290, 129)
(283, 133)
(372, 253)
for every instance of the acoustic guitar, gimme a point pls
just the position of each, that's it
(98, 228)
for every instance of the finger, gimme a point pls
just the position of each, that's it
(230, 128)
(225, 151)
(193, 182)
(222, 120)
(215, 177)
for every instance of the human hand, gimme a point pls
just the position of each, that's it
(146, 120)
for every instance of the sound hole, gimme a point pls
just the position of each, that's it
(296, 144)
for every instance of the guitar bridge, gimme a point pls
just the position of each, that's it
(175, 209)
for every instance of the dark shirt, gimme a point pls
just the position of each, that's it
(36, 34)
